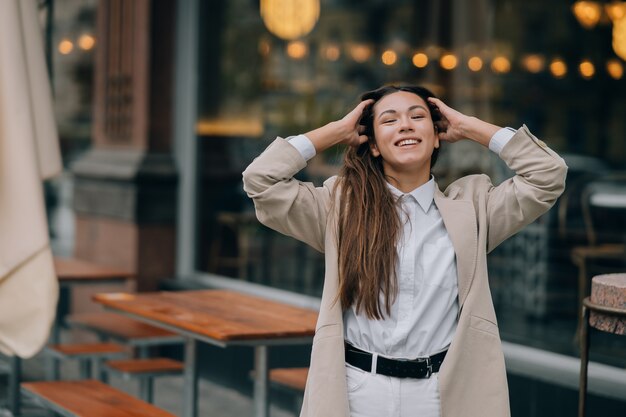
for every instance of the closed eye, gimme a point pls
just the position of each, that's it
(417, 117)
(389, 121)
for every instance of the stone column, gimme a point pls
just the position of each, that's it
(125, 186)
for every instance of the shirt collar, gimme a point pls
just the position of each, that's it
(424, 194)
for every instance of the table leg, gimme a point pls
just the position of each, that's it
(261, 403)
(14, 385)
(190, 394)
(584, 361)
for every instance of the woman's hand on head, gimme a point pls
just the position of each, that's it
(352, 132)
(346, 130)
(453, 124)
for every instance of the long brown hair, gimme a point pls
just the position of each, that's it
(369, 224)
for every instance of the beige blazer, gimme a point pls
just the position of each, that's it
(478, 217)
(29, 151)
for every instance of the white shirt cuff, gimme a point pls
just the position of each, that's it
(303, 145)
(500, 139)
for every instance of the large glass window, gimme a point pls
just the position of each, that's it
(511, 62)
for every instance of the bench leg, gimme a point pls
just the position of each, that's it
(53, 372)
(143, 352)
(98, 370)
(146, 389)
(85, 368)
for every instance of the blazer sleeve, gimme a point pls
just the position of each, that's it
(291, 207)
(538, 183)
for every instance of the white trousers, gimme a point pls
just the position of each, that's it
(373, 395)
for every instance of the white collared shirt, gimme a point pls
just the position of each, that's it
(423, 317)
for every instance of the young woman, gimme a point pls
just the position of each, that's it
(406, 325)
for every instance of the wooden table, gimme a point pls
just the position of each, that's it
(221, 318)
(71, 272)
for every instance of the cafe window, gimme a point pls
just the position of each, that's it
(266, 71)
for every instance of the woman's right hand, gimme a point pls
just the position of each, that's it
(353, 130)
(347, 130)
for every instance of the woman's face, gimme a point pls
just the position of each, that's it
(404, 133)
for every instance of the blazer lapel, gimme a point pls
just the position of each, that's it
(459, 218)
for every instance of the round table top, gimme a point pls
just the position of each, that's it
(608, 303)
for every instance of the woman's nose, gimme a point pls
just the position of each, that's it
(405, 125)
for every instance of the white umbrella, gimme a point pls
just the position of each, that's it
(29, 152)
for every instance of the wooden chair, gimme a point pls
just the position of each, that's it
(145, 370)
(89, 399)
(243, 225)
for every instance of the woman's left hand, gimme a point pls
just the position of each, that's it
(455, 125)
(452, 126)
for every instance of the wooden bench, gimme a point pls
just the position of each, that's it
(89, 399)
(112, 326)
(146, 370)
(292, 380)
(90, 355)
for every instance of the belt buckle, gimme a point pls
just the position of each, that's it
(429, 366)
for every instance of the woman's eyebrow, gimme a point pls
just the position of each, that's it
(409, 109)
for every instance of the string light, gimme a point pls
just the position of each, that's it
(448, 61)
(586, 69)
(587, 13)
(66, 46)
(615, 68)
(360, 53)
(420, 60)
(297, 49)
(501, 64)
(389, 57)
(475, 63)
(332, 53)
(534, 63)
(558, 68)
(86, 42)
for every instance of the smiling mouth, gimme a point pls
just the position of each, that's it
(407, 142)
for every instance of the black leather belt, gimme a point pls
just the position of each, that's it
(399, 368)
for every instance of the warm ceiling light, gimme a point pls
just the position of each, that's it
(501, 64)
(558, 68)
(586, 69)
(615, 68)
(475, 63)
(290, 19)
(619, 38)
(615, 10)
(448, 61)
(420, 60)
(389, 57)
(66, 46)
(86, 42)
(587, 13)
(297, 49)
(534, 63)
(360, 53)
